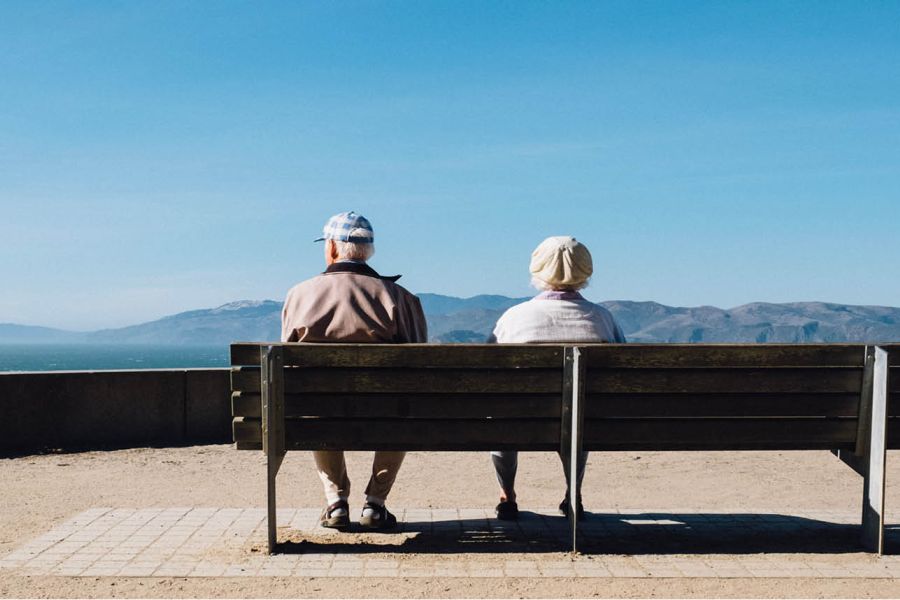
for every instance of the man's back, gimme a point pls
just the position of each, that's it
(350, 302)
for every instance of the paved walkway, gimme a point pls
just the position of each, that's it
(215, 542)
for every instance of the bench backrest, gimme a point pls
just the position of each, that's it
(640, 397)
(690, 397)
(368, 397)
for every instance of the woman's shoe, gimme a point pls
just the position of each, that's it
(579, 508)
(507, 510)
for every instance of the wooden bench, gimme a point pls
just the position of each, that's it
(603, 397)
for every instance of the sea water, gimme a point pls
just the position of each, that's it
(97, 357)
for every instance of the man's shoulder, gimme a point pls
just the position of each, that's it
(340, 280)
(306, 284)
(400, 289)
(403, 297)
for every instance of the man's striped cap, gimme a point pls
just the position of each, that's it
(348, 227)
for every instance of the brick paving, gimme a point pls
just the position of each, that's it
(229, 542)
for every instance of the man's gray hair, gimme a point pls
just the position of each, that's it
(354, 250)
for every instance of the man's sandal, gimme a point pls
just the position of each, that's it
(377, 518)
(336, 516)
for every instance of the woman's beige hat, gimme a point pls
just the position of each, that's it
(562, 261)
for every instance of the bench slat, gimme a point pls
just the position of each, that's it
(731, 355)
(426, 434)
(721, 405)
(448, 406)
(893, 351)
(719, 434)
(241, 428)
(245, 379)
(407, 355)
(534, 434)
(451, 406)
(426, 381)
(598, 355)
(726, 380)
(244, 354)
(545, 381)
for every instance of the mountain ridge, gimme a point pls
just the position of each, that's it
(456, 320)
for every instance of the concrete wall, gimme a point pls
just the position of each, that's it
(97, 409)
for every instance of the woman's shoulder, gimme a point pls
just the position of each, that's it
(529, 307)
(601, 310)
(603, 315)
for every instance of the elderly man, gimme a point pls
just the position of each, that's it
(560, 266)
(350, 302)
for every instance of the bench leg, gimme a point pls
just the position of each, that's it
(272, 398)
(571, 438)
(874, 479)
(869, 457)
(273, 463)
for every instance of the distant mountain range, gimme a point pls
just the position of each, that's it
(459, 320)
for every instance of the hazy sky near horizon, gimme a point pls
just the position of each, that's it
(163, 156)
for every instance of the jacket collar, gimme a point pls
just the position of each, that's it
(559, 295)
(358, 269)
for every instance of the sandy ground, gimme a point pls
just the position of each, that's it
(39, 492)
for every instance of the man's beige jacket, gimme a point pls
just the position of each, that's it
(352, 303)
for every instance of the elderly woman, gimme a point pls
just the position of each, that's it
(560, 266)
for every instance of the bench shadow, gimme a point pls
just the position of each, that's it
(600, 533)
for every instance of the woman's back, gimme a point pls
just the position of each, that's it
(556, 317)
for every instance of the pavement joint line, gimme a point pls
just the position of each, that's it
(213, 542)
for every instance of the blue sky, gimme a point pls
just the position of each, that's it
(164, 156)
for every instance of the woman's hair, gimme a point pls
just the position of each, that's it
(546, 287)
(354, 250)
